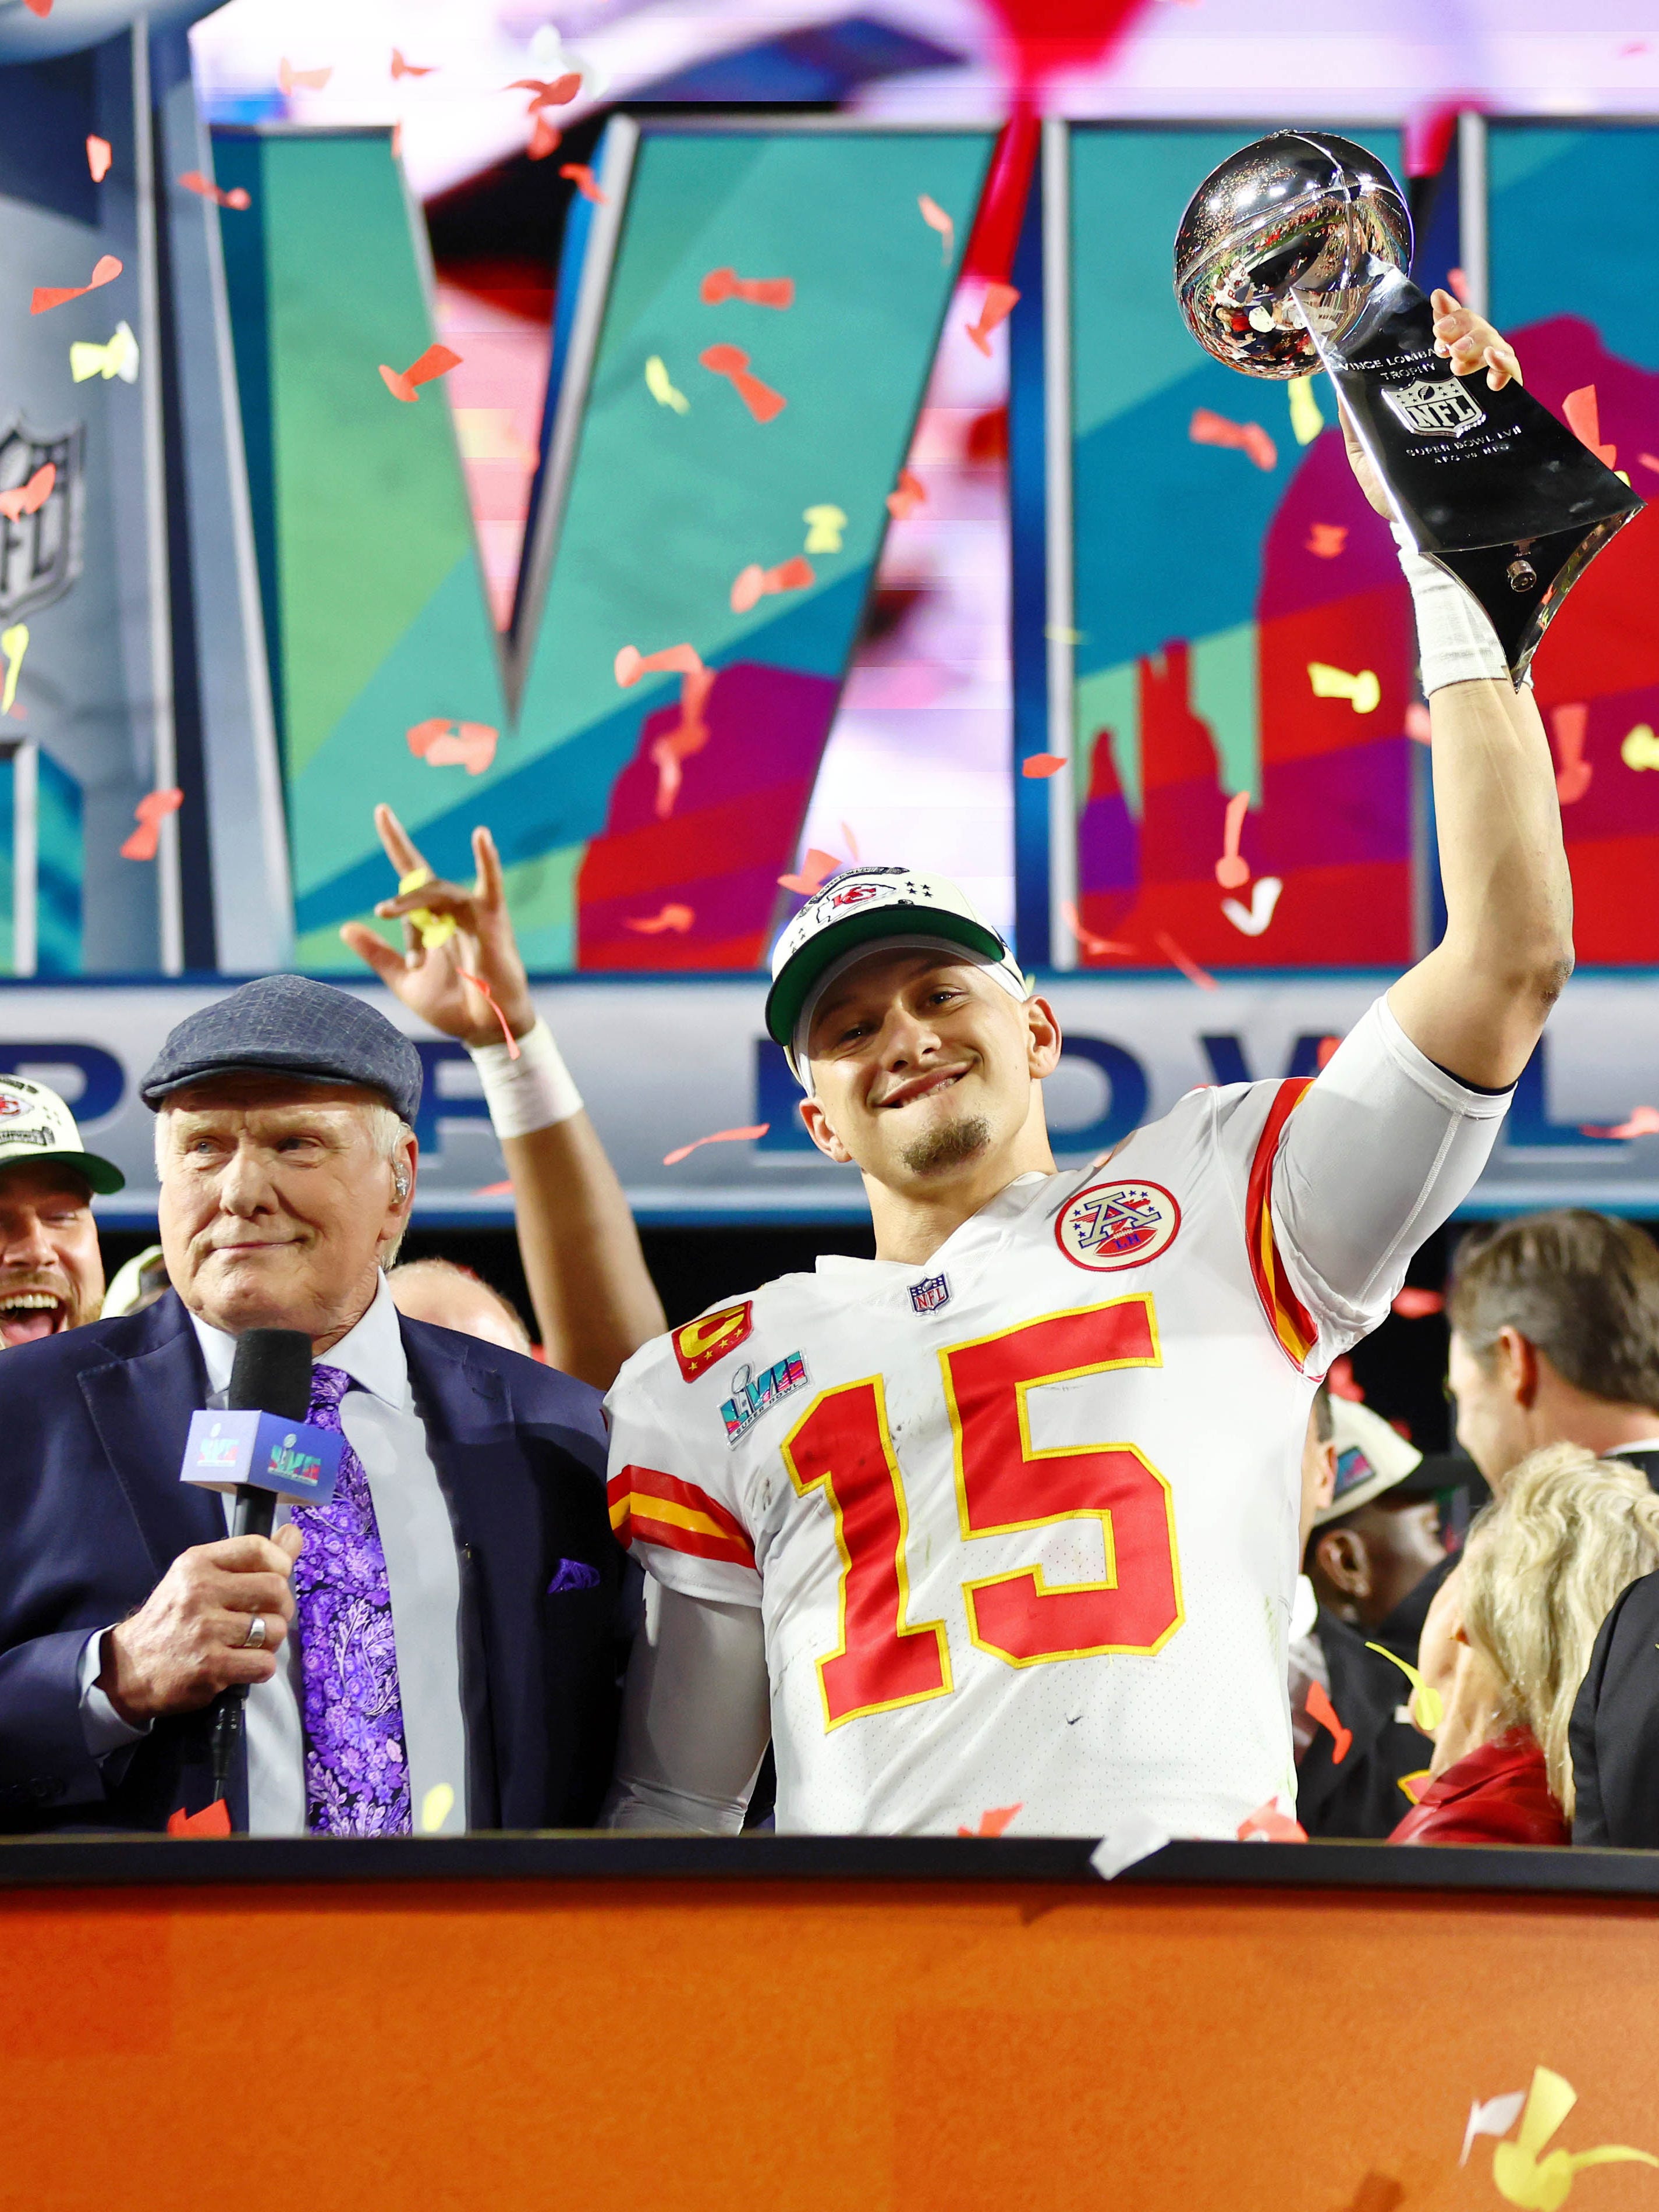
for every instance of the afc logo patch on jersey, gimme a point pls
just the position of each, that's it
(711, 1336)
(930, 1293)
(1117, 1225)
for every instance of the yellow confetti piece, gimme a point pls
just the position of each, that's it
(1539, 2181)
(1428, 1706)
(435, 1808)
(1306, 420)
(661, 386)
(119, 358)
(1641, 748)
(435, 929)
(824, 528)
(13, 643)
(1363, 691)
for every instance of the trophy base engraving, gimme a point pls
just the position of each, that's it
(1489, 485)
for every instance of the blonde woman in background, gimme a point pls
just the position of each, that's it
(1510, 1637)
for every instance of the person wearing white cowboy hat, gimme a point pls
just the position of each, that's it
(52, 1273)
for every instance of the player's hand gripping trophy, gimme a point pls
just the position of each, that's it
(1291, 257)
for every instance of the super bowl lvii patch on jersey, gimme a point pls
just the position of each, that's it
(754, 1395)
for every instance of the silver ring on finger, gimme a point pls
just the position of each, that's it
(254, 1640)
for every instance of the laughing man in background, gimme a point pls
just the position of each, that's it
(52, 1273)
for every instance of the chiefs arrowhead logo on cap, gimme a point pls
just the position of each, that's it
(711, 1336)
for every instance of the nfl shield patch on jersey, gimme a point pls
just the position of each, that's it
(1117, 1225)
(711, 1336)
(930, 1294)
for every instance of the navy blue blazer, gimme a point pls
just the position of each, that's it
(92, 1513)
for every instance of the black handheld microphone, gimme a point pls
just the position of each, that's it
(271, 1374)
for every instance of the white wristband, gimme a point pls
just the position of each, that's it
(1455, 642)
(532, 1092)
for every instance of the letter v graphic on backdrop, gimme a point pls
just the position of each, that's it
(609, 801)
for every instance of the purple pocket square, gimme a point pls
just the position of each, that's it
(573, 1575)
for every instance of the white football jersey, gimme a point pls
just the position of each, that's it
(1022, 1521)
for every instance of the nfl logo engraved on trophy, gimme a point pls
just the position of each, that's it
(1435, 410)
(930, 1294)
(40, 553)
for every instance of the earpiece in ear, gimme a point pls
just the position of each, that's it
(400, 1184)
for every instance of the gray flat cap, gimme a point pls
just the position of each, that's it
(289, 1025)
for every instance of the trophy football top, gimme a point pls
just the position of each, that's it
(1299, 209)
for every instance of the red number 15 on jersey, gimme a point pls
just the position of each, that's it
(1004, 1484)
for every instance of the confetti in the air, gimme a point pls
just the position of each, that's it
(1231, 872)
(401, 68)
(14, 644)
(1584, 420)
(1252, 921)
(1327, 539)
(99, 154)
(824, 526)
(1098, 948)
(1320, 1709)
(730, 361)
(1188, 967)
(290, 80)
(1569, 725)
(437, 360)
(1640, 1121)
(30, 498)
(440, 743)
(1133, 1837)
(1649, 461)
(549, 92)
(119, 357)
(1416, 1303)
(578, 173)
(1495, 2117)
(673, 917)
(1640, 749)
(1524, 2173)
(1457, 284)
(1272, 1823)
(438, 1801)
(998, 304)
(674, 659)
(718, 1137)
(661, 386)
(815, 871)
(150, 812)
(754, 582)
(1209, 429)
(194, 181)
(1362, 692)
(936, 218)
(1306, 420)
(433, 929)
(1428, 1707)
(1418, 726)
(485, 992)
(1036, 766)
(40, 8)
(670, 752)
(994, 1822)
(759, 291)
(105, 270)
(910, 494)
(213, 1820)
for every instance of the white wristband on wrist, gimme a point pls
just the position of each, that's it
(534, 1092)
(1456, 643)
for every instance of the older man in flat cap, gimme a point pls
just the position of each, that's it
(435, 1647)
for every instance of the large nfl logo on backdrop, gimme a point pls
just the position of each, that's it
(1435, 410)
(40, 553)
(1117, 1225)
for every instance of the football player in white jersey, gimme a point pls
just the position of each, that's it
(1006, 1517)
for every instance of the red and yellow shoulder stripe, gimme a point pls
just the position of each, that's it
(650, 1507)
(1288, 1318)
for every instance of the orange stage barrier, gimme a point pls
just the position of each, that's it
(804, 2045)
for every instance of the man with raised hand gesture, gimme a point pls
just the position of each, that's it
(595, 1302)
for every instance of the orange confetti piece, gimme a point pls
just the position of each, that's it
(401, 68)
(1327, 539)
(754, 582)
(472, 746)
(581, 176)
(679, 919)
(995, 1822)
(484, 992)
(290, 80)
(1568, 726)
(1584, 420)
(815, 871)
(99, 154)
(910, 494)
(1097, 947)
(150, 812)
(1417, 1304)
(1324, 1055)
(1320, 1709)
(494, 1190)
(1209, 429)
(1189, 968)
(1649, 461)
(194, 181)
(423, 732)
(1231, 872)
(730, 361)
(213, 1820)
(544, 139)
(1417, 724)
(998, 304)
(1036, 766)
(1271, 1824)
(30, 498)
(436, 360)
(676, 660)
(105, 270)
(718, 1137)
(1458, 284)
(936, 218)
(759, 291)
(1640, 1122)
(40, 8)
(549, 92)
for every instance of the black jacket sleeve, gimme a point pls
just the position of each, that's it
(1615, 1735)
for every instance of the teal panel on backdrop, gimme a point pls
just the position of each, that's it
(59, 870)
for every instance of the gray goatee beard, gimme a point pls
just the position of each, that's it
(951, 1146)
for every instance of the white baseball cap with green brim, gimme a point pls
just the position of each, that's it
(867, 909)
(38, 1130)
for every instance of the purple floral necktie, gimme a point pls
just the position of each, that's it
(356, 1767)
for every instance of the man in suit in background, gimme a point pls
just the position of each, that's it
(456, 1602)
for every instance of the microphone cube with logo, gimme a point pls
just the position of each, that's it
(262, 1451)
